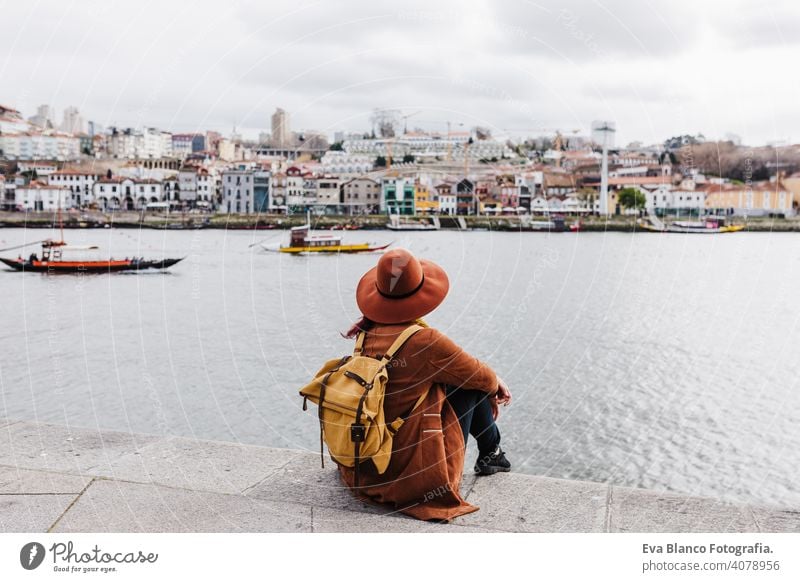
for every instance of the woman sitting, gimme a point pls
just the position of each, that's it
(463, 394)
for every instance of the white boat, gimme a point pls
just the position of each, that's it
(708, 225)
(395, 223)
(302, 242)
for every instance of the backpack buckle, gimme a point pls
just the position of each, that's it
(357, 432)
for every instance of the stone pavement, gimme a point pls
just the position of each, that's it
(62, 479)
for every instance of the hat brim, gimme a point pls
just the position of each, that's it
(382, 309)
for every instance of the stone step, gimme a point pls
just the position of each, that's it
(66, 479)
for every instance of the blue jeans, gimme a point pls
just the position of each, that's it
(475, 417)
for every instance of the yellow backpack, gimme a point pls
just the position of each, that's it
(349, 393)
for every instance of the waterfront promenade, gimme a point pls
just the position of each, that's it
(59, 479)
(160, 221)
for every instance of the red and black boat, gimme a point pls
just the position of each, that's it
(53, 261)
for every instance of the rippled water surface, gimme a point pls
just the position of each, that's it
(663, 361)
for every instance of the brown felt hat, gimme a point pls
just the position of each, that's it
(401, 288)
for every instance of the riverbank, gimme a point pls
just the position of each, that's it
(55, 478)
(94, 219)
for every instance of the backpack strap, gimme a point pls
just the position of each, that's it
(395, 425)
(356, 429)
(359, 343)
(398, 343)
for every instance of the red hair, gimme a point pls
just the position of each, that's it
(363, 324)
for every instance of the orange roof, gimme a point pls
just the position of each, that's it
(69, 172)
(624, 180)
(34, 185)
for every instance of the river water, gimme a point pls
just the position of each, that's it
(660, 361)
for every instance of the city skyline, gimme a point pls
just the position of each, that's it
(656, 70)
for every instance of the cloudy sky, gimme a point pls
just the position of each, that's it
(656, 68)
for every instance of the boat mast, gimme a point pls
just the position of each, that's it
(60, 218)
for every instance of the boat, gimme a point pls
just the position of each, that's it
(395, 223)
(708, 225)
(555, 224)
(300, 241)
(52, 260)
(257, 226)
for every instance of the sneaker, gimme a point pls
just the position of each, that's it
(493, 463)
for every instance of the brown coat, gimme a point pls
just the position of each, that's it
(427, 462)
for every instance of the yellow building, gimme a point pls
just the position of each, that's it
(760, 198)
(425, 200)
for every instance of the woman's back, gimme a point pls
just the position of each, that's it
(428, 452)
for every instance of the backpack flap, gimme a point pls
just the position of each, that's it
(311, 391)
(350, 392)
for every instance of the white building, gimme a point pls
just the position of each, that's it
(41, 167)
(40, 146)
(120, 193)
(208, 182)
(329, 192)
(277, 198)
(8, 193)
(281, 134)
(156, 144)
(73, 122)
(11, 121)
(226, 150)
(44, 117)
(447, 204)
(238, 191)
(297, 191)
(343, 163)
(541, 204)
(130, 143)
(454, 147)
(666, 198)
(187, 183)
(37, 196)
(446, 195)
(185, 144)
(361, 195)
(80, 183)
(197, 184)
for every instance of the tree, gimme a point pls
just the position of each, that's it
(380, 162)
(631, 198)
(336, 146)
(409, 159)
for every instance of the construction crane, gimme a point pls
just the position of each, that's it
(449, 143)
(405, 120)
(389, 154)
